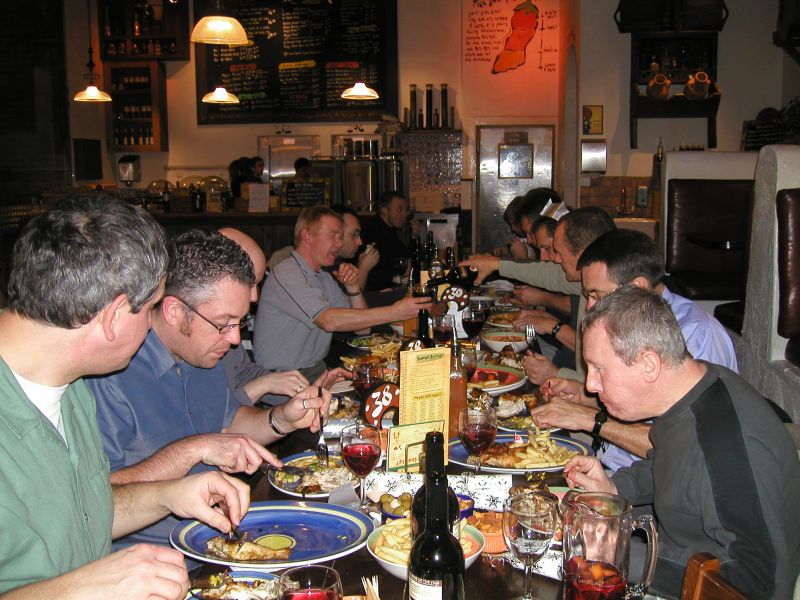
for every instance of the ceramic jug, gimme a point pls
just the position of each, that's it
(658, 87)
(597, 537)
(696, 87)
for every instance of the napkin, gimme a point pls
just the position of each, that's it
(488, 491)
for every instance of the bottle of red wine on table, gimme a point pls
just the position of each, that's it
(423, 337)
(436, 565)
(434, 463)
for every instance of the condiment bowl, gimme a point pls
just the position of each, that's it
(497, 339)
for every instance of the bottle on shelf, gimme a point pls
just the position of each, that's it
(443, 102)
(166, 198)
(433, 462)
(436, 565)
(413, 105)
(195, 199)
(428, 105)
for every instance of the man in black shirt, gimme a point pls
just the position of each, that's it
(383, 231)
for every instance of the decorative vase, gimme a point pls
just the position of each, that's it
(658, 87)
(696, 87)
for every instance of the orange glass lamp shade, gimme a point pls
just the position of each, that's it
(219, 30)
(92, 94)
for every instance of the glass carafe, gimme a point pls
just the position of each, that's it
(597, 538)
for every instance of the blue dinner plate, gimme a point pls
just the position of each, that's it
(314, 531)
(458, 454)
(247, 576)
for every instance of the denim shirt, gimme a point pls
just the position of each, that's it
(155, 401)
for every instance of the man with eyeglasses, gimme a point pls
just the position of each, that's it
(172, 411)
(613, 260)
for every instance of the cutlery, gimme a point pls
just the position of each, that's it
(322, 447)
(288, 469)
(530, 337)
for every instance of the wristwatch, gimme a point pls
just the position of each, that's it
(600, 417)
(556, 328)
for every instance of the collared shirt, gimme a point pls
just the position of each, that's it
(706, 339)
(154, 402)
(293, 295)
(56, 506)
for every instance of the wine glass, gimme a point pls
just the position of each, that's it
(477, 428)
(310, 582)
(401, 265)
(529, 523)
(365, 377)
(442, 328)
(361, 451)
(472, 320)
(482, 305)
(469, 358)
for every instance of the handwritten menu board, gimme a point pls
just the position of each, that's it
(302, 56)
(757, 134)
(299, 194)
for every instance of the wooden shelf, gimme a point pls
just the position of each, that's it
(137, 115)
(136, 31)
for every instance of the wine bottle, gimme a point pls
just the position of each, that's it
(423, 337)
(166, 198)
(436, 267)
(436, 565)
(194, 196)
(433, 463)
(452, 274)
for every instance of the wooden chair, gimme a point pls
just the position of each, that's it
(702, 580)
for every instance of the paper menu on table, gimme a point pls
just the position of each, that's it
(424, 386)
(403, 436)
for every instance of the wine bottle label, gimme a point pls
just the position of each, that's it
(424, 589)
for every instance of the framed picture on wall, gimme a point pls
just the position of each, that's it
(592, 119)
(515, 161)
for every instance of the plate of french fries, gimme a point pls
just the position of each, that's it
(522, 453)
(390, 545)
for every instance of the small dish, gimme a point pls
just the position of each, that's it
(499, 339)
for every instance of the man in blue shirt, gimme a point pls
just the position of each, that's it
(172, 411)
(84, 279)
(616, 258)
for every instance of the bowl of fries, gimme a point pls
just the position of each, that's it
(390, 545)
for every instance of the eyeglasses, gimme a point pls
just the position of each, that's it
(221, 329)
(598, 295)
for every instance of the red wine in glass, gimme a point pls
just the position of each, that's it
(477, 437)
(472, 325)
(592, 580)
(310, 594)
(442, 333)
(361, 458)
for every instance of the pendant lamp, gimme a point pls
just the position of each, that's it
(219, 29)
(92, 93)
(360, 91)
(220, 96)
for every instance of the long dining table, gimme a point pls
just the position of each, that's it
(489, 577)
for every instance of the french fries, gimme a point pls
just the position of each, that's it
(393, 543)
(539, 452)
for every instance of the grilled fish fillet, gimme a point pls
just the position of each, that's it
(241, 590)
(222, 547)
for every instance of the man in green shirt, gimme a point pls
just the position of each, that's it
(84, 278)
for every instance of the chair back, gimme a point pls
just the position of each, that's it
(788, 211)
(702, 580)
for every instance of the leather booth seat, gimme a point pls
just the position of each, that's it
(788, 207)
(708, 230)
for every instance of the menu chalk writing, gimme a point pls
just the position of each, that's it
(757, 134)
(302, 56)
(298, 194)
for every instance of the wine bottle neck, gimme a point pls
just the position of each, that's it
(434, 453)
(436, 503)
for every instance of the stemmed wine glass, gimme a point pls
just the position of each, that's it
(365, 377)
(361, 451)
(442, 328)
(529, 523)
(469, 358)
(477, 428)
(472, 320)
(310, 581)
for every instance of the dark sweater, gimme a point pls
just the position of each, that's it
(391, 248)
(724, 477)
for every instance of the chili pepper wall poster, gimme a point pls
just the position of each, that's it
(510, 57)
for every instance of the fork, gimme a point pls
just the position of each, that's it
(530, 337)
(322, 447)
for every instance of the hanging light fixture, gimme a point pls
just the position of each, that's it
(219, 29)
(91, 93)
(360, 91)
(220, 96)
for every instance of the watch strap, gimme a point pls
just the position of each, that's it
(556, 328)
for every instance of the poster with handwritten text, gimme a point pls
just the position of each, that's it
(510, 57)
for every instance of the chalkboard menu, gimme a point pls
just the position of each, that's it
(303, 55)
(757, 134)
(297, 194)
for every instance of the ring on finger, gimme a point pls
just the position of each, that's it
(299, 389)
(304, 404)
